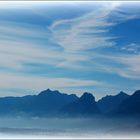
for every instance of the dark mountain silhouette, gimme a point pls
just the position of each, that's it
(130, 106)
(45, 103)
(54, 103)
(109, 103)
(84, 106)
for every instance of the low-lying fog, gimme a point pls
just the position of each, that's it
(69, 128)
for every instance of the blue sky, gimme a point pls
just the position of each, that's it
(69, 46)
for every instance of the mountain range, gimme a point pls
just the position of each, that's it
(54, 103)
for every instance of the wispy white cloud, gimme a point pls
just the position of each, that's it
(124, 65)
(132, 48)
(84, 32)
(69, 44)
(37, 83)
(131, 65)
(13, 54)
(78, 35)
(21, 30)
(74, 36)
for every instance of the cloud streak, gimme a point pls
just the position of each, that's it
(77, 36)
(37, 83)
(78, 44)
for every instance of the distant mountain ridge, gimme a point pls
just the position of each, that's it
(111, 102)
(54, 103)
(84, 106)
(131, 106)
(45, 103)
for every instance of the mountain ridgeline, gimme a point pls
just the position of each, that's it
(55, 104)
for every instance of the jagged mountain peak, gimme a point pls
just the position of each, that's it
(88, 97)
(137, 92)
(49, 92)
(122, 93)
(111, 102)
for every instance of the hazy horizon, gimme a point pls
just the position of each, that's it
(69, 128)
